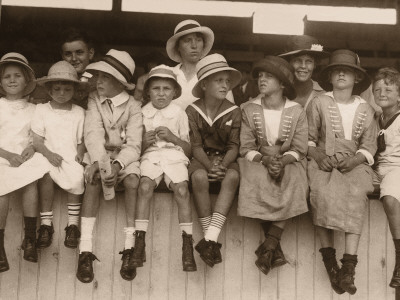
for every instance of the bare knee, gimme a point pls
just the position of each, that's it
(181, 190)
(131, 182)
(146, 186)
(200, 178)
(231, 178)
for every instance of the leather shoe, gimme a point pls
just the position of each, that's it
(72, 234)
(395, 282)
(30, 251)
(3, 260)
(139, 252)
(188, 262)
(45, 236)
(85, 267)
(264, 261)
(206, 250)
(126, 272)
(217, 253)
(278, 258)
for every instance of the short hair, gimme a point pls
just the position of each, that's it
(74, 34)
(48, 85)
(25, 72)
(389, 76)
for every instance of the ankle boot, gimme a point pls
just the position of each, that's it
(217, 253)
(347, 272)
(3, 260)
(395, 282)
(139, 253)
(331, 266)
(188, 262)
(265, 253)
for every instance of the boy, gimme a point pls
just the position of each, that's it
(113, 126)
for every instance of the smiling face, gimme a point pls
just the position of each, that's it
(13, 81)
(78, 54)
(216, 85)
(304, 66)
(190, 47)
(62, 91)
(268, 84)
(161, 92)
(343, 77)
(386, 94)
(107, 85)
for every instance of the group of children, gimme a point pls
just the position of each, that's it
(287, 144)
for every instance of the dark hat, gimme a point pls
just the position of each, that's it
(280, 68)
(347, 58)
(303, 44)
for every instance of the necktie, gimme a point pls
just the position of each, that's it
(110, 104)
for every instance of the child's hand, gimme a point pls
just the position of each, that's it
(92, 173)
(54, 159)
(165, 134)
(111, 180)
(275, 167)
(28, 153)
(16, 160)
(327, 163)
(149, 138)
(348, 164)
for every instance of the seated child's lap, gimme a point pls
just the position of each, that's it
(175, 173)
(388, 178)
(196, 165)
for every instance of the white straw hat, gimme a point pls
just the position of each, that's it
(184, 28)
(212, 64)
(61, 71)
(119, 64)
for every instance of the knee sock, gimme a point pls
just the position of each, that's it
(205, 223)
(74, 210)
(213, 231)
(141, 225)
(87, 226)
(30, 227)
(46, 218)
(273, 237)
(186, 227)
(1, 237)
(129, 237)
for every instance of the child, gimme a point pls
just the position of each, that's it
(113, 126)
(386, 88)
(166, 149)
(214, 134)
(20, 166)
(342, 142)
(273, 146)
(58, 134)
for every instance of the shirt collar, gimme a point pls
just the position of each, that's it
(288, 103)
(357, 99)
(168, 112)
(118, 99)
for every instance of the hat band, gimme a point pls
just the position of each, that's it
(210, 67)
(345, 58)
(187, 27)
(116, 64)
(15, 58)
(159, 72)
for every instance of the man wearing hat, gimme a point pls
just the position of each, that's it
(247, 88)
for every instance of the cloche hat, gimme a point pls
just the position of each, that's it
(212, 64)
(117, 63)
(281, 69)
(61, 71)
(184, 28)
(347, 58)
(162, 71)
(303, 44)
(19, 59)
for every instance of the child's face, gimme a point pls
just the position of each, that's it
(107, 85)
(77, 54)
(13, 81)
(161, 92)
(62, 92)
(268, 84)
(191, 46)
(217, 85)
(386, 95)
(304, 66)
(343, 78)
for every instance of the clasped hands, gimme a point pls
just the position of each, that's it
(150, 137)
(328, 163)
(16, 160)
(274, 165)
(217, 171)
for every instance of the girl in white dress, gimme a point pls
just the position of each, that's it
(58, 134)
(20, 166)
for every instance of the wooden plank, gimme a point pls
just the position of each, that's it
(322, 286)
(390, 262)
(268, 283)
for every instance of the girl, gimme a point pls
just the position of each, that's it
(58, 134)
(386, 88)
(342, 142)
(214, 135)
(20, 166)
(273, 146)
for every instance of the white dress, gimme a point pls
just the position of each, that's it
(62, 131)
(15, 124)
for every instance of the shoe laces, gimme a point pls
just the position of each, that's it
(44, 228)
(126, 252)
(72, 229)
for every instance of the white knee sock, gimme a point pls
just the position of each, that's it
(129, 237)
(46, 218)
(141, 225)
(213, 231)
(186, 227)
(74, 210)
(87, 226)
(205, 222)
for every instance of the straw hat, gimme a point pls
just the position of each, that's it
(119, 64)
(347, 58)
(184, 28)
(303, 44)
(61, 71)
(212, 64)
(281, 69)
(162, 71)
(19, 59)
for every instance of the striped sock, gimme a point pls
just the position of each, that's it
(74, 210)
(87, 226)
(186, 227)
(213, 231)
(46, 218)
(205, 222)
(141, 225)
(129, 237)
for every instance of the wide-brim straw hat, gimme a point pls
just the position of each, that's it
(19, 59)
(303, 44)
(212, 64)
(118, 64)
(281, 69)
(184, 28)
(61, 71)
(347, 58)
(164, 72)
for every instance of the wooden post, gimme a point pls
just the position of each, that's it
(397, 293)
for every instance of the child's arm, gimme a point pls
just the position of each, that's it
(166, 134)
(248, 141)
(14, 159)
(81, 150)
(148, 139)
(298, 146)
(38, 144)
(233, 142)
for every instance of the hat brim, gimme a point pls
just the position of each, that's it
(146, 86)
(289, 91)
(314, 53)
(32, 81)
(235, 77)
(106, 68)
(358, 88)
(42, 81)
(208, 35)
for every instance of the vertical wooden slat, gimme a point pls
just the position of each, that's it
(268, 283)
(322, 286)
(390, 262)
